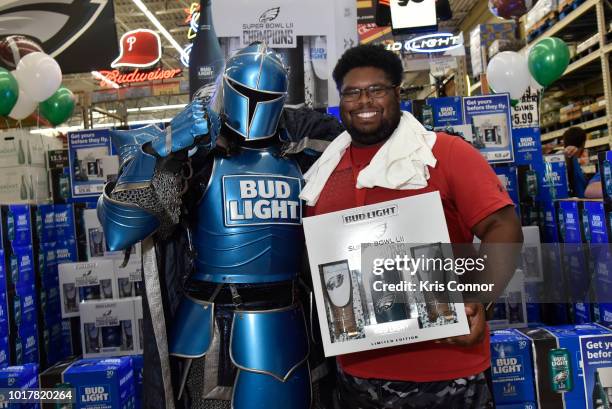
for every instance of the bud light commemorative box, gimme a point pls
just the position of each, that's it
(508, 177)
(109, 328)
(552, 178)
(138, 362)
(24, 344)
(47, 264)
(59, 172)
(511, 368)
(65, 222)
(16, 378)
(96, 241)
(558, 364)
(66, 251)
(91, 280)
(129, 278)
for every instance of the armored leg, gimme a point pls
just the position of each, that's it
(270, 350)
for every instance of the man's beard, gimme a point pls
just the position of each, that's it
(385, 130)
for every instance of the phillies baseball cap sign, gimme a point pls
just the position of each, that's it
(138, 48)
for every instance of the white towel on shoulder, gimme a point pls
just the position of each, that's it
(401, 163)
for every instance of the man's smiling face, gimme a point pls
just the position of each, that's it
(370, 117)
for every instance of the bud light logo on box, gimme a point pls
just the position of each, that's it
(511, 367)
(260, 199)
(19, 225)
(65, 228)
(66, 252)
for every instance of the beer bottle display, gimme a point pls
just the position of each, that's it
(206, 60)
(599, 396)
(560, 370)
(389, 305)
(336, 280)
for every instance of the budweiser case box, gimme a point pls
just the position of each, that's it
(558, 364)
(361, 306)
(511, 368)
(109, 328)
(78, 282)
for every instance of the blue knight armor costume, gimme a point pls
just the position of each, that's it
(238, 329)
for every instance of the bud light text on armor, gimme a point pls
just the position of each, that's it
(261, 199)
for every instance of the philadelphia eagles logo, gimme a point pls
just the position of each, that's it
(269, 15)
(64, 20)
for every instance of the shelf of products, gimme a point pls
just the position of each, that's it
(593, 123)
(593, 143)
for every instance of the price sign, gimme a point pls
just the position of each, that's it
(525, 114)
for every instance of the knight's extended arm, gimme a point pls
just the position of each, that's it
(147, 195)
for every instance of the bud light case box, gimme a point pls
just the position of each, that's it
(51, 342)
(138, 364)
(597, 367)
(50, 302)
(446, 111)
(47, 264)
(550, 227)
(605, 172)
(511, 367)
(66, 251)
(21, 265)
(79, 282)
(109, 328)
(65, 222)
(45, 223)
(508, 177)
(102, 383)
(23, 308)
(4, 351)
(17, 226)
(552, 178)
(19, 377)
(527, 145)
(24, 344)
(558, 364)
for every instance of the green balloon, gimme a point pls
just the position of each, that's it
(9, 92)
(58, 108)
(514, 102)
(548, 60)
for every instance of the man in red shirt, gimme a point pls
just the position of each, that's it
(447, 373)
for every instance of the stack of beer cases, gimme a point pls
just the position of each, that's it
(16, 378)
(576, 259)
(566, 366)
(20, 283)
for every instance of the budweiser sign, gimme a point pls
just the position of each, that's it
(119, 78)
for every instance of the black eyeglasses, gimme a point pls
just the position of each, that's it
(373, 91)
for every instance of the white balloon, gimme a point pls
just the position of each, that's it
(39, 75)
(508, 72)
(24, 107)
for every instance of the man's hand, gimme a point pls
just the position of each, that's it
(570, 151)
(475, 313)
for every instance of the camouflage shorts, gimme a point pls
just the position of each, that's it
(463, 393)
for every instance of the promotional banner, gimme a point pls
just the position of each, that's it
(409, 16)
(597, 369)
(87, 151)
(279, 25)
(489, 116)
(70, 29)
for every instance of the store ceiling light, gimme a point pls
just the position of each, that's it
(157, 108)
(101, 77)
(159, 26)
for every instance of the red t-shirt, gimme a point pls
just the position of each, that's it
(470, 192)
